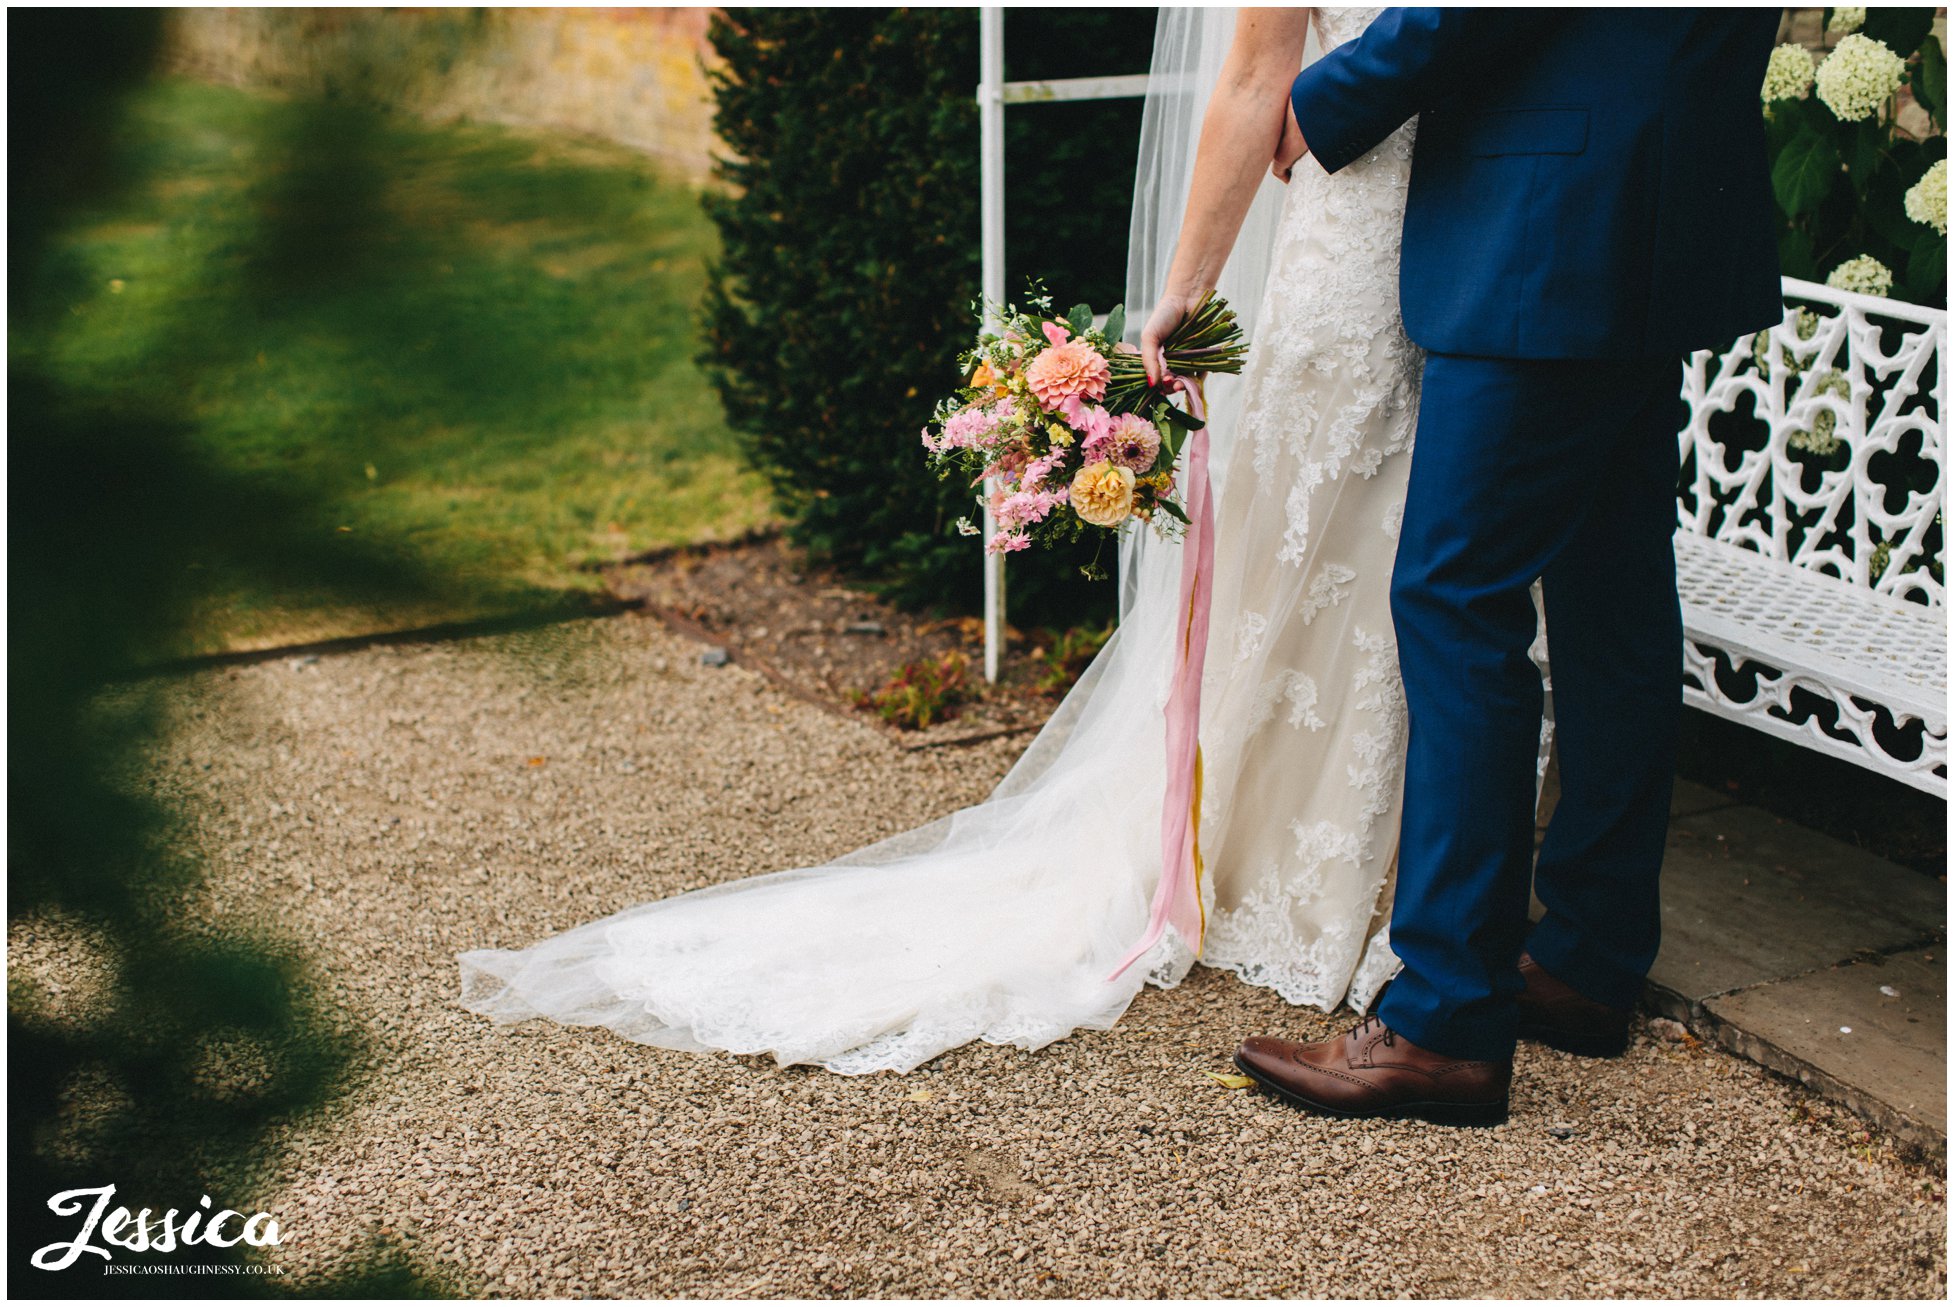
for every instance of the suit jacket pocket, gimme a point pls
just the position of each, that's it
(1538, 130)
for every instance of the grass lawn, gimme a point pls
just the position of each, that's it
(470, 343)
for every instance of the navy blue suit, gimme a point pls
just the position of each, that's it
(1589, 200)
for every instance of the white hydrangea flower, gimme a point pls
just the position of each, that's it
(1788, 75)
(1823, 438)
(1865, 275)
(1882, 559)
(1926, 200)
(1858, 76)
(1804, 326)
(1848, 19)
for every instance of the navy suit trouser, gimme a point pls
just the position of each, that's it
(1562, 471)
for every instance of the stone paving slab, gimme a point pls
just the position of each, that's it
(1750, 898)
(1774, 936)
(1871, 1034)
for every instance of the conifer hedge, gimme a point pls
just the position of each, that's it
(850, 262)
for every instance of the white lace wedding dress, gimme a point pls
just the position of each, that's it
(1001, 922)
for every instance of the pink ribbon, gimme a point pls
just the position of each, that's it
(1177, 898)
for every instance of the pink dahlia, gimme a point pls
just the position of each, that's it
(1068, 371)
(1133, 442)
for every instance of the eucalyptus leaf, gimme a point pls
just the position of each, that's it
(1116, 323)
(1079, 318)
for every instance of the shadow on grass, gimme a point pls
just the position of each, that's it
(471, 343)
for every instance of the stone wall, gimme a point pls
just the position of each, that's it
(635, 76)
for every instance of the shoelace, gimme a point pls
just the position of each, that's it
(1364, 1028)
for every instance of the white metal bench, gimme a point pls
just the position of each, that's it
(1810, 541)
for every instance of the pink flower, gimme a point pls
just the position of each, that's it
(1039, 468)
(1029, 506)
(1134, 443)
(1006, 543)
(1056, 334)
(967, 428)
(1007, 463)
(1088, 420)
(1071, 370)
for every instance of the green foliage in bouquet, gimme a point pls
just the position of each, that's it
(1862, 200)
(1059, 423)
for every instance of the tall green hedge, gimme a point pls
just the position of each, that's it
(834, 317)
(850, 231)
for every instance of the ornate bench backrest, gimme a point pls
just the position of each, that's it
(1823, 442)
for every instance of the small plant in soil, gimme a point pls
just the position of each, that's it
(926, 691)
(1065, 654)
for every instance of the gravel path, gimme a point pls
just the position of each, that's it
(390, 808)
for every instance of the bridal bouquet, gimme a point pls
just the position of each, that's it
(1059, 417)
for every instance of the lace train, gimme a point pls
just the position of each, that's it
(1001, 922)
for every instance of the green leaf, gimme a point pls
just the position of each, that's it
(1864, 158)
(1926, 274)
(1079, 318)
(1116, 323)
(1884, 210)
(1901, 29)
(1795, 256)
(1783, 120)
(1930, 81)
(1805, 173)
(1172, 509)
(1183, 419)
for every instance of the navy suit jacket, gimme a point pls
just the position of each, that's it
(1587, 183)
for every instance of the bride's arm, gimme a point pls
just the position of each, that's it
(1239, 135)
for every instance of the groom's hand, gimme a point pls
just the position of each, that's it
(1292, 147)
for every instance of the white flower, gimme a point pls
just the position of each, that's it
(1858, 76)
(1848, 19)
(1804, 326)
(1926, 201)
(1788, 75)
(1823, 438)
(1876, 566)
(1865, 274)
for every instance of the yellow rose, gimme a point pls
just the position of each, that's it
(1102, 493)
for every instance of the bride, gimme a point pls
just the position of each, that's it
(1002, 922)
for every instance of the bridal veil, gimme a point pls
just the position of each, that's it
(998, 922)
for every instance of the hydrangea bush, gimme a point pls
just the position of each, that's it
(1862, 196)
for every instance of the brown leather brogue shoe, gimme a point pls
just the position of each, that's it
(1372, 1071)
(1553, 1014)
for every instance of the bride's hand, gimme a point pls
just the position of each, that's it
(1167, 314)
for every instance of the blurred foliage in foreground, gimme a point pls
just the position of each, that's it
(471, 342)
(188, 1042)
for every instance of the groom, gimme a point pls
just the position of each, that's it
(1589, 201)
